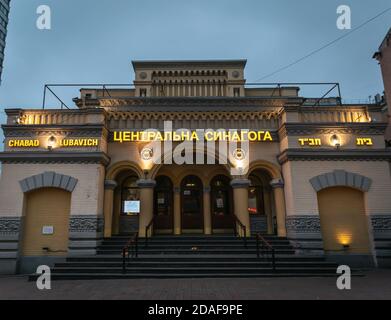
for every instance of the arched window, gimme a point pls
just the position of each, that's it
(130, 197)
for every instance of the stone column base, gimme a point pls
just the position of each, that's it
(85, 234)
(9, 244)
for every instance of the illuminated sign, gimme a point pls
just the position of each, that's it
(147, 136)
(364, 142)
(64, 143)
(23, 143)
(312, 142)
(79, 143)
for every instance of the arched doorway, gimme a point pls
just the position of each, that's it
(128, 206)
(46, 223)
(260, 202)
(163, 205)
(221, 204)
(192, 204)
(343, 221)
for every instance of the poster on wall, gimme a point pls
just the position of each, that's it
(132, 207)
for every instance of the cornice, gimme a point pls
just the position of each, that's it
(62, 130)
(54, 157)
(185, 64)
(228, 115)
(288, 129)
(191, 102)
(334, 155)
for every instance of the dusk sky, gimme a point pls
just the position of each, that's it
(94, 42)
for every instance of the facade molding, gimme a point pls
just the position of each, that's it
(184, 64)
(323, 128)
(146, 184)
(240, 183)
(340, 178)
(303, 224)
(9, 225)
(48, 180)
(334, 155)
(57, 130)
(193, 115)
(54, 157)
(188, 103)
(86, 224)
(116, 168)
(381, 223)
(110, 184)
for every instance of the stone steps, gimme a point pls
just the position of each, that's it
(192, 256)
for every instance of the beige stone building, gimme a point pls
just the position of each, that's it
(316, 171)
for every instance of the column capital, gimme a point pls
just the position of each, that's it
(146, 183)
(207, 189)
(177, 189)
(240, 183)
(110, 184)
(277, 183)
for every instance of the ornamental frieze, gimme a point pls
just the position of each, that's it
(322, 129)
(29, 132)
(86, 224)
(381, 223)
(9, 225)
(192, 115)
(190, 102)
(303, 224)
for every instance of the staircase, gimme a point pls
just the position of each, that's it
(217, 256)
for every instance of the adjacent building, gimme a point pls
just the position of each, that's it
(383, 55)
(4, 10)
(313, 170)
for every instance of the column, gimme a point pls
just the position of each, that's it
(146, 204)
(240, 191)
(177, 211)
(207, 212)
(279, 200)
(110, 185)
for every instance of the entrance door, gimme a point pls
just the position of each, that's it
(221, 194)
(192, 198)
(163, 205)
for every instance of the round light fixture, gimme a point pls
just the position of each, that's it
(146, 154)
(239, 154)
(335, 141)
(52, 141)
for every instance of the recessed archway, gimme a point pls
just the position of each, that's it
(46, 222)
(343, 220)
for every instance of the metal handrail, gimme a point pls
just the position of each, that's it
(243, 229)
(149, 226)
(266, 247)
(132, 244)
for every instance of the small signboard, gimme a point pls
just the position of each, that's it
(47, 230)
(132, 207)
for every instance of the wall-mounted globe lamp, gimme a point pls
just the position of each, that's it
(335, 141)
(52, 142)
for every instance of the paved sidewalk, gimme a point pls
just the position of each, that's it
(376, 285)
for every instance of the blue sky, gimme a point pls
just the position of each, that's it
(95, 41)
